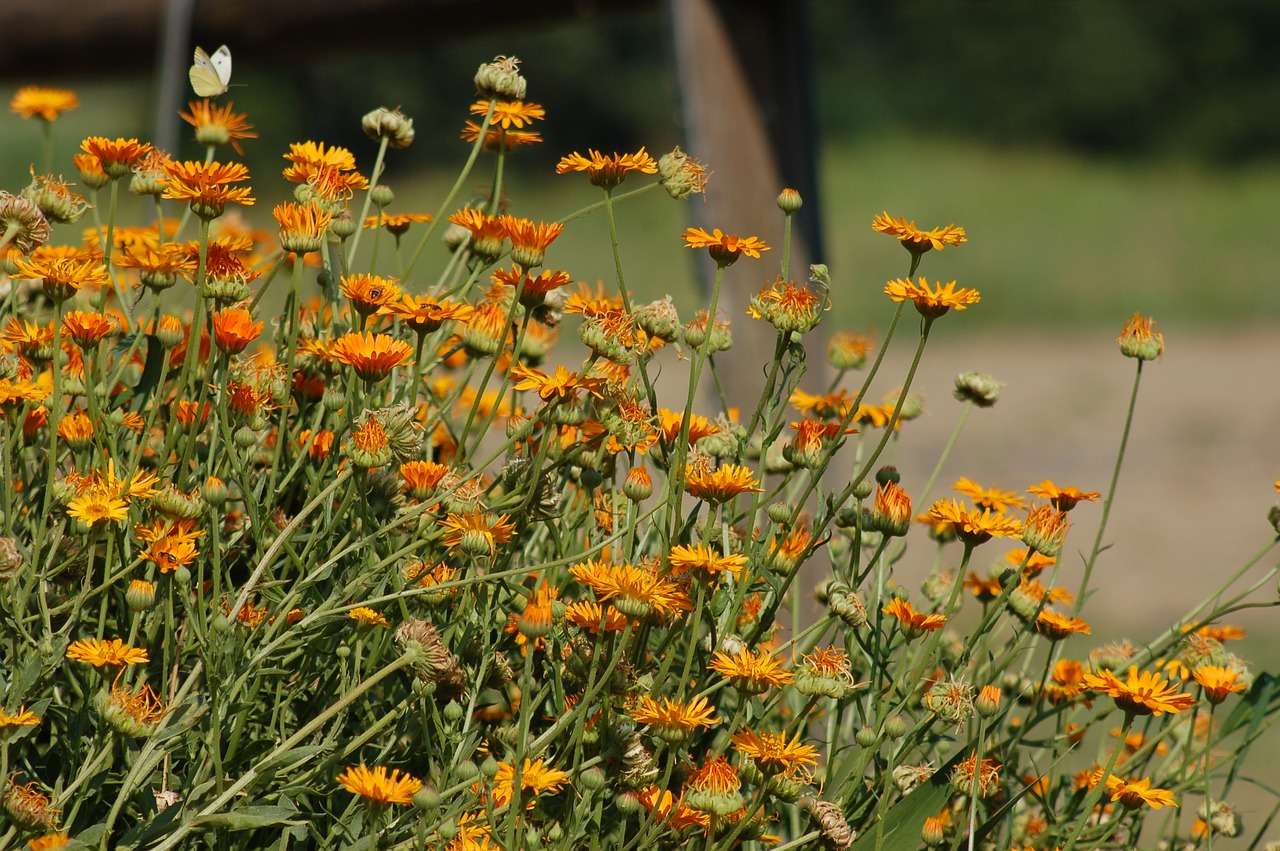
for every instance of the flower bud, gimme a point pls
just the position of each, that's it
(865, 737)
(789, 201)
(932, 833)
(977, 387)
(343, 225)
(389, 124)
(141, 595)
(895, 727)
(500, 79)
(638, 485)
(1141, 338)
(381, 195)
(988, 702)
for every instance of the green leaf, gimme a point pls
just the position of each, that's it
(1253, 708)
(152, 370)
(250, 818)
(904, 819)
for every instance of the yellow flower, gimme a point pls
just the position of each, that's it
(724, 248)
(704, 559)
(47, 103)
(1132, 794)
(1055, 627)
(477, 532)
(915, 623)
(915, 240)
(21, 718)
(993, 497)
(674, 720)
(48, 842)
(774, 754)
(369, 294)
(607, 172)
(507, 114)
(593, 617)
(217, 125)
(931, 302)
(425, 314)
(371, 355)
(96, 506)
(751, 673)
(207, 187)
(722, 484)
(1065, 497)
(302, 226)
(1218, 682)
(1142, 693)
(118, 157)
(535, 778)
(106, 653)
(636, 591)
(970, 526)
(380, 786)
(665, 809)
(365, 616)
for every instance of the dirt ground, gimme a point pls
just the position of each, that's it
(1198, 479)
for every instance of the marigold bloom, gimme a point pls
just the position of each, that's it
(987, 781)
(533, 289)
(380, 786)
(218, 125)
(1140, 693)
(1132, 794)
(495, 136)
(915, 240)
(372, 356)
(171, 543)
(915, 623)
(329, 171)
(607, 171)
(207, 187)
(788, 306)
(563, 386)
(365, 616)
(86, 329)
(1221, 632)
(1044, 529)
(993, 497)
(831, 406)
(672, 423)
(1063, 498)
(369, 294)
(668, 810)
(674, 720)
(704, 559)
(507, 114)
(593, 617)
(529, 241)
(97, 506)
(724, 248)
(27, 806)
(1141, 338)
(61, 278)
(774, 754)
(106, 653)
(848, 350)
(43, 102)
(302, 226)
(931, 302)
(970, 526)
(477, 531)
(722, 484)
(487, 232)
(1056, 627)
(234, 329)
(397, 224)
(425, 314)
(751, 673)
(892, 512)
(1218, 682)
(48, 842)
(134, 713)
(118, 157)
(636, 591)
(22, 717)
(535, 778)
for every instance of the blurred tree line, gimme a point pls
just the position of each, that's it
(1137, 77)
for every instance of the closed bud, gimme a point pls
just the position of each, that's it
(426, 798)
(866, 737)
(182, 576)
(932, 833)
(988, 702)
(343, 225)
(895, 727)
(381, 195)
(141, 595)
(466, 770)
(780, 512)
(789, 201)
(215, 491)
(489, 768)
(593, 779)
(245, 437)
(638, 485)
(453, 712)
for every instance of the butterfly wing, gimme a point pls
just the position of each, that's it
(208, 78)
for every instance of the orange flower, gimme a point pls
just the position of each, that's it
(86, 329)
(913, 622)
(47, 103)
(564, 386)
(477, 532)
(118, 157)
(672, 422)
(970, 526)
(674, 720)
(207, 186)
(724, 248)
(234, 329)
(365, 616)
(665, 809)
(21, 717)
(705, 559)
(397, 225)
(172, 544)
(507, 114)
(1064, 498)
(892, 512)
(302, 226)
(369, 294)
(61, 278)
(1218, 682)
(380, 786)
(113, 653)
(593, 617)
(915, 240)
(218, 125)
(372, 356)
(636, 591)
(751, 673)
(425, 314)
(607, 172)
(931, 302)
(993, 497)
(529, 241)
(535, 778)
(722, 484)
(329, 171)
(533, 290)
(1142, 693)
(158, 268)
(495, 136)
(773, 753)
(1056, 627)
(1132, 794)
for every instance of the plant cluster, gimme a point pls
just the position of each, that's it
(390, 567)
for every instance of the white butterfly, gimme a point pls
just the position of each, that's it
(211, 75)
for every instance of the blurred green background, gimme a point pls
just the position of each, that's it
(1104, 158)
